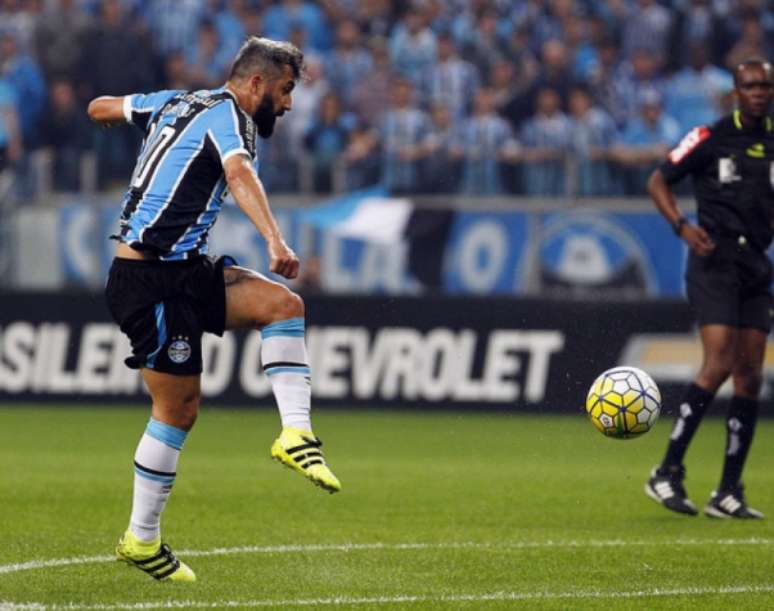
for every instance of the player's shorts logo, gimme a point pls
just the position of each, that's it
(179, 351)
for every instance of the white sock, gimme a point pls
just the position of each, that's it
(155, 466)
(286, 363)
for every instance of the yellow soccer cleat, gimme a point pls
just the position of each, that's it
(155, 558)
(300, 450)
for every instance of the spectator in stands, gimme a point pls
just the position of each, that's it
(592, 133)
(205, 64)
(546, 141)
(10, 137)
(282, 18)
(451, 81)
(486, 45)
(602, 78)
(694, 95)
(485, 141)
(22, 73)
(648, 27)
(362, 159)
(751, 43)
(325, 141)
(176, 72)
(403, 132)
(18, 18)
(277, 163)
(554, 21)
(504, 86)
(370, 97)
(66, 133)
(374, 17)
(58, 39)
(232, 27)
(118, 59)
(413, 48)
(697, 25)
(348, 63)
(555, 70)
(640, 73)
(441, 170)
(307, 97)
(644, 142)
(174, 24)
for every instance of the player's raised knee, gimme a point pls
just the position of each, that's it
(288, 305)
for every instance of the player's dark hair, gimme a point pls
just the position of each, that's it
(753, 62)
(266, 57)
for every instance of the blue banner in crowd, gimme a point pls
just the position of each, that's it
(370, 243)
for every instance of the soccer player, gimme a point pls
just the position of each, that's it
(728, 279)
(165, 292)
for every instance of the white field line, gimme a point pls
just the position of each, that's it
(392, 600)
(355, 547)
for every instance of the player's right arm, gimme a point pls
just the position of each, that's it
(136, 108)
(687, 157)
(107, 110)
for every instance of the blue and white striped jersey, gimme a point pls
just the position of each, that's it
(178, 184)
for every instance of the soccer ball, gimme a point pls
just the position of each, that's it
(623, 402)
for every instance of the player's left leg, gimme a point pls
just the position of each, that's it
(175, 408)
(253, 301)
(742, 415)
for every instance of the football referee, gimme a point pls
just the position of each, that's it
(728, 280)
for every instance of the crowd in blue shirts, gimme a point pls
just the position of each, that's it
(484, 97)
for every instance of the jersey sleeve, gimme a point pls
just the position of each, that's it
(231, 132)
(689, 156)
(140, 107)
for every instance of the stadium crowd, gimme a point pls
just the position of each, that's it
(535, 97)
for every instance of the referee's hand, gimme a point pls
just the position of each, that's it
(697, 239)
(282, 259)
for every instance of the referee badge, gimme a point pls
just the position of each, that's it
(179, 350)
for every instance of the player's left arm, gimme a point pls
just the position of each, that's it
(107, 110)
(250, 196)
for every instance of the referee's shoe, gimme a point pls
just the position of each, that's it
(731, 504)
(665, 486)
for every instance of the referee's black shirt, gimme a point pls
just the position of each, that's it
(733, 174)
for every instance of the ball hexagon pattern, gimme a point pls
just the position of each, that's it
(623, 402)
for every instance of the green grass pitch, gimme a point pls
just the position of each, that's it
(438, 511)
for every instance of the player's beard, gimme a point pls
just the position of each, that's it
(265, 117)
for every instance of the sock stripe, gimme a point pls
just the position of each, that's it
(154, 478)
(305, 371)
(292, 327)
(166, 434)
(153, 471)
(284, 364)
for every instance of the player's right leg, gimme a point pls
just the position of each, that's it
(175, 407)
(665, 485)
(253, 301)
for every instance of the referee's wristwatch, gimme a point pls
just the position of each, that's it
(678, 225)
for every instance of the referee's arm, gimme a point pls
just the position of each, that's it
(695, 236)
(250, 196)
(107, 110)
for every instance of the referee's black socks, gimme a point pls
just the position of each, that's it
(694, 403)
(740, 428)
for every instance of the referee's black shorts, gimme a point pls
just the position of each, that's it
(731, 286)
(164, 307)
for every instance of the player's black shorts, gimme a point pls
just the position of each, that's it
(731, 286)
(164, 307)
